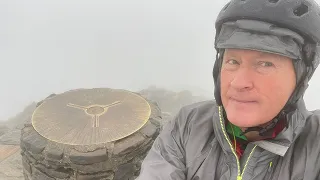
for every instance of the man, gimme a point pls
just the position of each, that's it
(258, 127)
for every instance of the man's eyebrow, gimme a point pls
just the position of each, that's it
(261, 54)
(230, 53)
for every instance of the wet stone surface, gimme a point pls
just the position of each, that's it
(43, 159)
(17, 167)
(121, 163)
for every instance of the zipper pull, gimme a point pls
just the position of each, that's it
(270, 166)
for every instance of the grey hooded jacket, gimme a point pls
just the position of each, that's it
(195, 146)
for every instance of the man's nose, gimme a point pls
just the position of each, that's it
(243, 79)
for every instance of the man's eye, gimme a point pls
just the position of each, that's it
(266, 64)
(232, 62)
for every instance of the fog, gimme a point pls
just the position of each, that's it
(53, 46)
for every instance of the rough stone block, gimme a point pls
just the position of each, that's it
(57, 173)
(149, 130)
(38, 175)
(29, 157)
(26, 175)
(97, 156)
(128, 144)
(94, 156)
(34, 142)
(93, 168)
(54, 153)
(125, 171)
(26, 165)
(104, 176)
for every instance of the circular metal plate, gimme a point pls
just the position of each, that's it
(91, 116)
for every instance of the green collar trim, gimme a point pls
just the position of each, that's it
(235, 130)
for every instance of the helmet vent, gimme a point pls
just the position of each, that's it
(300, 10)
(273, 1)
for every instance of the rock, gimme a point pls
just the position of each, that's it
(50, 96)
(69, 150)
(37, 174)
(149, 129)
(11, 138)
(26, 165)
(56, 156)
(3, 130)
(105, 176)
(60, 173)
(21, 118)
(96, 156)
(54, 153)
(33, 142)
(126, 145)
(125, 171)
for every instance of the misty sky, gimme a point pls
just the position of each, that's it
(53, 46)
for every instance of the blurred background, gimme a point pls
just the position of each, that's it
(53, 46)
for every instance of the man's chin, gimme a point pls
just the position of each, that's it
(243, 121)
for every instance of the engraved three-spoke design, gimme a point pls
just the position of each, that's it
(95, 111)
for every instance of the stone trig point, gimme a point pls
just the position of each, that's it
(89, 134)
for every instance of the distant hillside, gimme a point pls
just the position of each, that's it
(170, 101)
(21, 118)
(3, 130)
(11, 129)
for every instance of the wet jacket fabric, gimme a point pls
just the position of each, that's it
(195, 146)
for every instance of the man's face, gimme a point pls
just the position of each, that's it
(255, 86)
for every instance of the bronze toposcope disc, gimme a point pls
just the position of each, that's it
(91, 116)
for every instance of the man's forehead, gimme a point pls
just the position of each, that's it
(256, 53)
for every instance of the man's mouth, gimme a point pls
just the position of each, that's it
(244, 101)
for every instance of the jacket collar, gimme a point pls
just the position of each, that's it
(279, 145)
